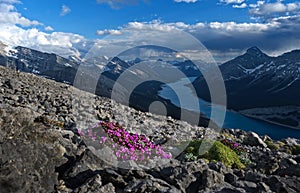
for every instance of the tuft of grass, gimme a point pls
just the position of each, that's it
(224, 154)
(217, 153)
(193, 147)
(296, 149)
(271, 145)
(280, 144)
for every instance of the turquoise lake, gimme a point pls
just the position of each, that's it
(232, 119)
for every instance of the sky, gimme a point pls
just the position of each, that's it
(225, 27)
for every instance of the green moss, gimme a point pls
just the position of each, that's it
(288, 151)
(193, 147)
(280, 144)
(217, 152)
(224, 154)
(272, 145)
(296, 149)
(206, 160)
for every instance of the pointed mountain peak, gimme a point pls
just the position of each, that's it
(254, 50)
(117, 59)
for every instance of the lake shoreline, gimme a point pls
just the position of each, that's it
(268, 121)
(237, 120)
(141, 98)
(246, 115)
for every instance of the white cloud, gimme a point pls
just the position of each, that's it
(65, 10)
(224, 39)
(55, 42)
(268, 9)
(108, 32)
(115, 4)
(232, 1)
(258, 3)
(155, 25)
(49, 28)
(241, 6)
(12, 33)
(9, 1)
(238, 4)
(9, 15)
(186, 1)
(292, 6)
(241, 27)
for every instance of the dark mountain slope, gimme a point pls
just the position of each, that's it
(256, 80)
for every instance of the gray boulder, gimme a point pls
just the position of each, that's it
(253, 139)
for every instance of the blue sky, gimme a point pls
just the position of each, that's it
(225, 27)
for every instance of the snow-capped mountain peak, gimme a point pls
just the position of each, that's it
(255, 79)
(254, 51)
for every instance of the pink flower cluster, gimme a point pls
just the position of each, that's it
(234, 146)
(127, 146)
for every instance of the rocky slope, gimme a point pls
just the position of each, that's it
(44, 64)
(103, 73)
(41, 150)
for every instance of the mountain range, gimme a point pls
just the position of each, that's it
(100, 75)
(44, 64)
(261, 86)
(257, 85)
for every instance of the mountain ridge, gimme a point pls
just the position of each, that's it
(39, 127)
(98, 79)
(256, 80)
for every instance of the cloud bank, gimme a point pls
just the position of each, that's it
(230, 37)
(225, 40)
(269, 10)
(232, 1)
(9, 15)
(13, 33)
